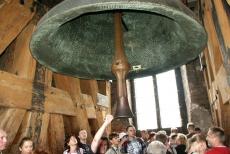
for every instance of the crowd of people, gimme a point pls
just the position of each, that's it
(195, 142)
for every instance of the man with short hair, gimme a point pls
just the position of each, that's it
(3, 140)
(162, 137)
(133, 145)
(82, 135)
(216, 139)
(91, 149)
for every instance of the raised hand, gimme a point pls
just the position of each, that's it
(108, 119)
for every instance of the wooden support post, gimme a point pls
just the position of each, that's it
(56, 134)
(44, 134)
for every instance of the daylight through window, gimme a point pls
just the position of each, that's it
(167, 100)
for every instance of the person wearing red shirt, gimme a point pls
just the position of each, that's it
(216, 139)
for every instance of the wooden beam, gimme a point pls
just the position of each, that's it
(209, 65)
(13, 18)
(11, 120)
(223, 21)
(80, 120)
(56, 134)
(21, 62)
(17, 93)
(89, 106)
(90, 87)
(222, 84)
(213, 44)
(43, 144)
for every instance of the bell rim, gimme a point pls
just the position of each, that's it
(45, 27)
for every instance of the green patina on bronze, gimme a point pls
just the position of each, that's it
(77, 37)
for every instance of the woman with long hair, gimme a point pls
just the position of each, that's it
(103, 145)
(71, 146)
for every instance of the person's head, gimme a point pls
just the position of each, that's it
(181, 139)
(26, 146)
(162, 132)
(3, 139)
(82, 135)
(144, 135)
(174, 130)
(190, 127)
(71, 141)
(196, 143)
(172, 139)
(156, 147)
(131, 131)
(162, 137)
(215, 136)
(103, 145)
(152, 136)
(123, 137)
(197, 130)
(114, 139)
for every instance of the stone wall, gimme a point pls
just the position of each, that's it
(196, 95)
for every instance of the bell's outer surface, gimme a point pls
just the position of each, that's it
(76, 37)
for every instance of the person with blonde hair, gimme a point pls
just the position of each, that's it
(156, 147)
(181, 141)
(196, 144)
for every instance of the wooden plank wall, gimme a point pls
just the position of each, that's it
(35, 102)
(215, 58)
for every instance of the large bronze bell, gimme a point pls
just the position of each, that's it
(77, 38)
